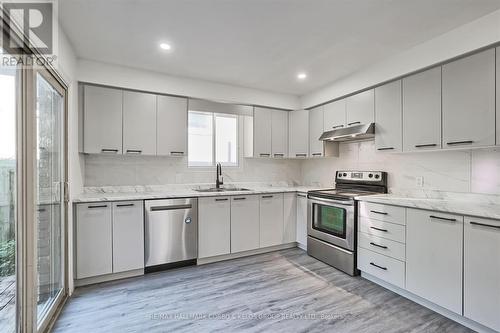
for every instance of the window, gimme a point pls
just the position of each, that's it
(212, 138)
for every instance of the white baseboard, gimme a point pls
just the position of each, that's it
(108, 277)
(203, 261)
(434, 307)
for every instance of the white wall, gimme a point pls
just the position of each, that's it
(475, 171)
(469, 37)
(125, 77)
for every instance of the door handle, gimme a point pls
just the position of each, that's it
(355, 122)
(386, 148)
(173, 207)
(377, 245)
(225, 199)
(375, 265)
(98, 206)
(377, 212)
(237, 199)
(485, 225)
(105, 150)
(383, 230)
(338, 126)
(426, 145)
(134, 151)
(442, 218)
(468, 142)
(125, 205)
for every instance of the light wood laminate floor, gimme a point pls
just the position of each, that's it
(284, 291)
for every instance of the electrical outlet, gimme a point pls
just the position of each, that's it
(419, 181)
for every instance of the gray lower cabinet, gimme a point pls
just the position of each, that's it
(244, 223)
(171, 126)
(289, 217)
(422, 111)
(360, 108)
(388, 117)
(469, 101)
(214, 226)
(271, 219)
(434, 252)
(94, 250)
(102, 120)
(302, 219)
(482, 271)
(139, 123)
(128, 236)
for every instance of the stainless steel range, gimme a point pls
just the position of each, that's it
(332, 217)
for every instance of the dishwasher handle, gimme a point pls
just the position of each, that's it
(171, 207)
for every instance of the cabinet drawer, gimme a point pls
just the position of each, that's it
(382, 229)
(383, 267)
(383, 246)
(381, 212)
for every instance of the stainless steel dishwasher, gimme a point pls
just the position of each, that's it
(171, 232)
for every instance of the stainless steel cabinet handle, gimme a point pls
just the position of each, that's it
(176, 153)
(267, 196)
(172, 207)
(377, 245)
(242, 198)
(355, 122)
(337, 126)
(426, 145)
(377, 212)
(264, 154)
(442, 218)
(383, 230)
(125, 205)
(317, 154)
(134, 151)
(375, 265)
(468, 142)
(279, 155)
(98, 206)
(485, 225)
(301, 155)
(225, 199)
(105, 150)
(386, 148)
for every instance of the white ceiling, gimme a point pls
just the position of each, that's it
(259, 43)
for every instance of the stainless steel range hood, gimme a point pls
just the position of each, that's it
(352, 133)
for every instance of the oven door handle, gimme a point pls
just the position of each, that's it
(331, 201)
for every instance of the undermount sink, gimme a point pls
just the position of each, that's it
(229, 189)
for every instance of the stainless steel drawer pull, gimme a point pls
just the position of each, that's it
(377, 245)
(301, 155)
(485, 225)
(383, 230)
(105, 150)
(125, 205)
(356, 122)
(225, 199)
(338, 126)
(173, 207)
(426, 145)
(134, 151)
(235, 199)
(99, 206)
(468, 142)
(317, 154)
(442, 218)
(386, 148)
(264, 154)
(267, 196)
(176, 153)
(377, 212)
(375, 265)
(279, 155)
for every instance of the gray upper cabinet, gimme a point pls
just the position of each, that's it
(298, 134)
(388, 117)
(171, 126)
(360, 108)
(102, 120)
(262, 132)
(469, 101)
(334, 115)
(422, 111)
(279, 133)
(139, 123)
(315, 131)
(498, 95)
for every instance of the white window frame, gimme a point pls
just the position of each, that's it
(214, 133)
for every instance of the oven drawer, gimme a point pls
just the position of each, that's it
(381, 212)
(382, 267)
(391, 231)
(383, 246)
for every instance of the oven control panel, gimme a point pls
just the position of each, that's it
(361, 176)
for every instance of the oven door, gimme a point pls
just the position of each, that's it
(331, 221)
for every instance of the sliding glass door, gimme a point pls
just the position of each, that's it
(50, 178)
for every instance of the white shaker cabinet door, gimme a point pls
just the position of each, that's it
(422, 111)
(244, 223)
(289, 217)
(102, 120)
(214, 226)
(498, 94)
(279, 133)
(262, 132)
(482, 271)
(93, 240)
(434, 253)
(171, 126)
(388, 117)
(469, 101)
(128, 236)
(139, 123)
(302, 220)
(334, 115)
(315, 131)
(298, 134)
(360, 108)
(271, 219)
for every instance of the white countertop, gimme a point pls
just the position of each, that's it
(485, 206)
(178, 191)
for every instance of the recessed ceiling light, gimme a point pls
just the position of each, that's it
(301, 76)
(165, 46)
